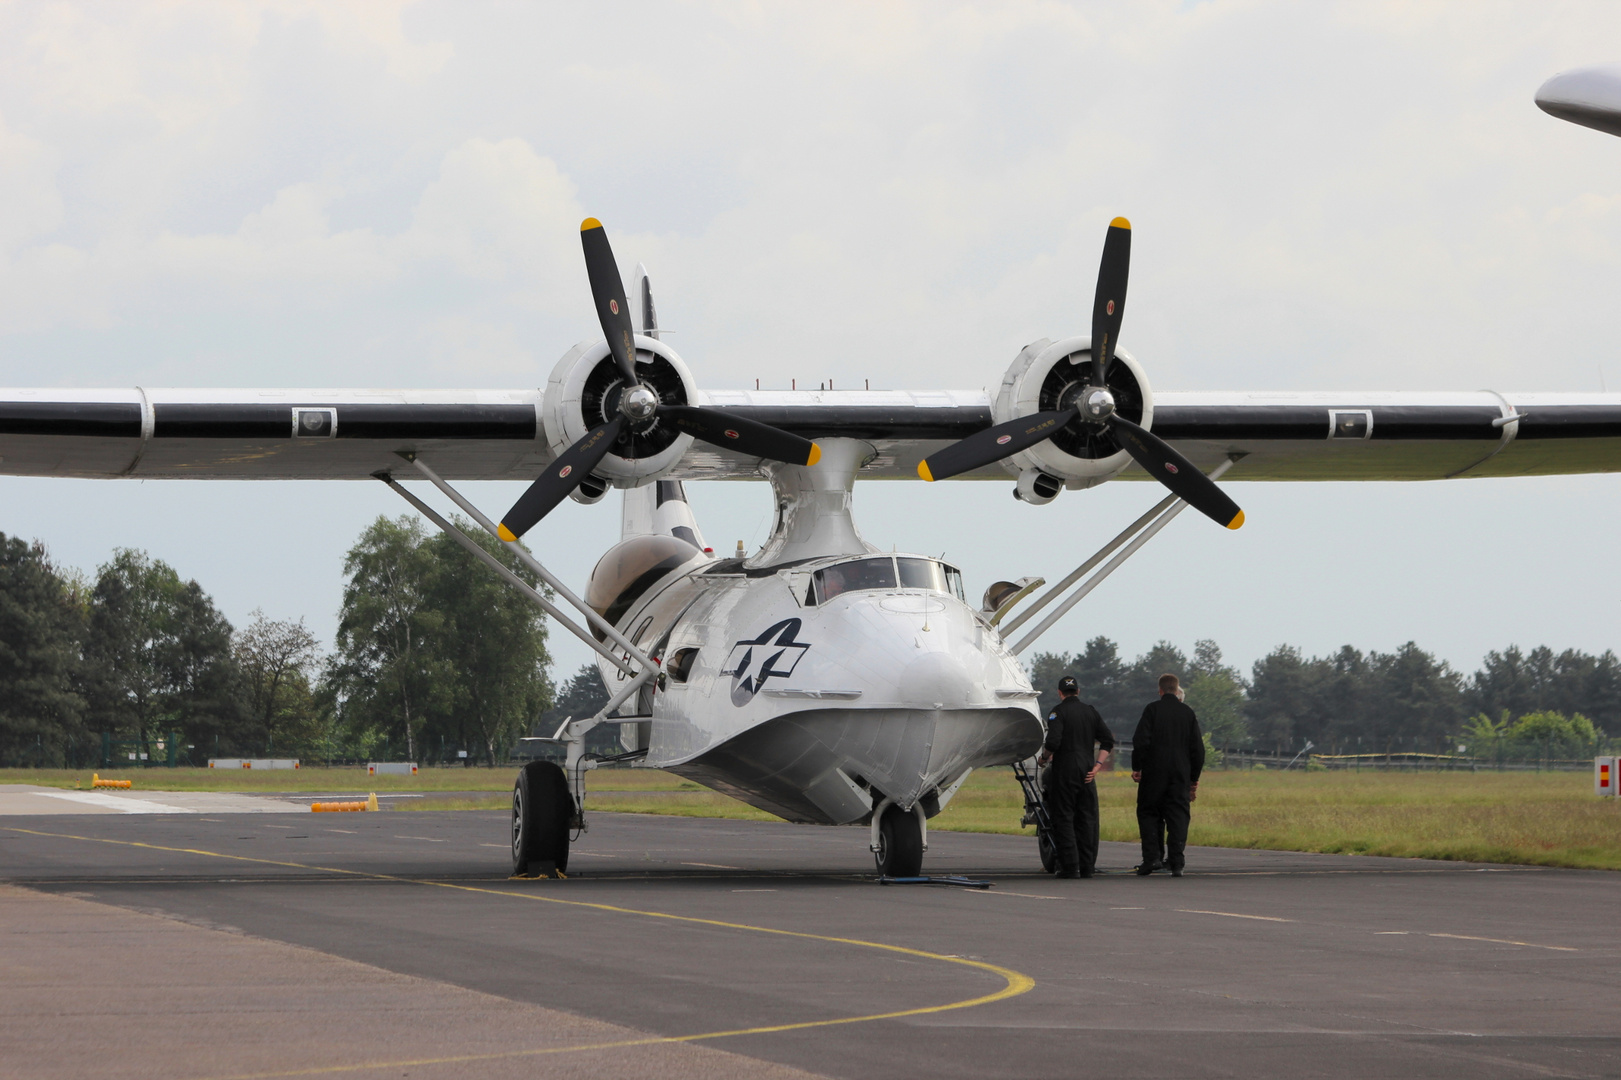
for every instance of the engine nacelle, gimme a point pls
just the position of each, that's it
(1049, 375)
(583, 392)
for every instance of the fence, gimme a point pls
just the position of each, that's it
(1528, 759)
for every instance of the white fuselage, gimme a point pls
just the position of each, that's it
(819, 685)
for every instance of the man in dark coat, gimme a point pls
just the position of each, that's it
(1167, 756)
(1074, 730)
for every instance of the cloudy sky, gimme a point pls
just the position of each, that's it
(1357, 196)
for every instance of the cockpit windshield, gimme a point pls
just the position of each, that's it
(886, 572)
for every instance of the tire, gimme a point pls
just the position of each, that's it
(900, 844)
(1049, 856)
(541, 809)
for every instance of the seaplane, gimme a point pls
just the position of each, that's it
(817, 678)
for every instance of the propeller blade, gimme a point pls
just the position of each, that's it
(1109, 306)
(993, 444)
(749, 437)
(609, 293)
(559, 479)
(644, 292)
(1176, 472)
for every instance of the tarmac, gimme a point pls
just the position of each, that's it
(390, 944)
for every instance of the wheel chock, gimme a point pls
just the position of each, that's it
(960, 882)
(547, 869)
(96, 781)
(345, 807)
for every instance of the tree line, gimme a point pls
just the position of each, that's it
(433, 655)
(1407, 701)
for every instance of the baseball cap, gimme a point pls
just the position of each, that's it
(1068, 684)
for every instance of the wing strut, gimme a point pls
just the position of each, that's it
(635, 665)
(1137, 533)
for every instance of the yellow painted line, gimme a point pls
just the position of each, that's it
(1504, 941)
(1232, 915)
(1015, 982)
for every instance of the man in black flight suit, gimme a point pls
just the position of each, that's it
(1072, 798)
(1167, 756)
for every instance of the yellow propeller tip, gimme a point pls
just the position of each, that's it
(590, 223)
(509, 536)
(814, 456)
(923, 471)
(1119, 223)
(1237, 522)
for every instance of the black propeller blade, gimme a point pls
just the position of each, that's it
(1095, 407)
(1176, 472)
(993, 444)
(638, 404)
(609, 293)
(559, 479)
(1109, 305)
(745, 436)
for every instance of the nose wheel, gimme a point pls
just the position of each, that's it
(899, 851)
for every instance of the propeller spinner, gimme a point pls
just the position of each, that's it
(1096, 406)
(638, 404)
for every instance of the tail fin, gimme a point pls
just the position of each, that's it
(660, 509)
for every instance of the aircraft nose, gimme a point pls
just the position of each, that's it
(940, 678)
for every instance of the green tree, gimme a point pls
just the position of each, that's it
(158, 656)
(387, 676)
(1215, 693)
(276, 659)
(1554, 733)
(42, 624)
(491, 640)
(582, 696)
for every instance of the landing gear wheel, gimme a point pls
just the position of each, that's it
(900, 843)
(541, 809)
(1049, 856)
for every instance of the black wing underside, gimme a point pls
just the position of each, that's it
(496, 435)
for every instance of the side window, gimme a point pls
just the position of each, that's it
(680, 664)
(954, 582)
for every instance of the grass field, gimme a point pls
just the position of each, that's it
(1546, 819)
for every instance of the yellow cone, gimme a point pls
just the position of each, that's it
(371, 801)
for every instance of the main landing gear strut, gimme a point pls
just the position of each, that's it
(548, 800)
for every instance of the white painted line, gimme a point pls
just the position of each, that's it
(122, 803)
(502, 846)
(1128, 909)
(1232, 915)
(351, 832)
(999, 892)
(429, 839)
(1503, 941)
(1390, 933)
(712, 866)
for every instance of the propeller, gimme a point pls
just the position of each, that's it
(1095, 406)
(637, 403)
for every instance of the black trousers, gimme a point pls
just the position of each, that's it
(1163, 812)
(1073, 806)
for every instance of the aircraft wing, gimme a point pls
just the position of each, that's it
(498, 434)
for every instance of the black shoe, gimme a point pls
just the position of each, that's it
(1085, 872)
(1176, 871)
(1144, 869)
(1067, 874)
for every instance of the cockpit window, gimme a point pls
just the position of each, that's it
(922, 574)
(854, 576)
(886, 572)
